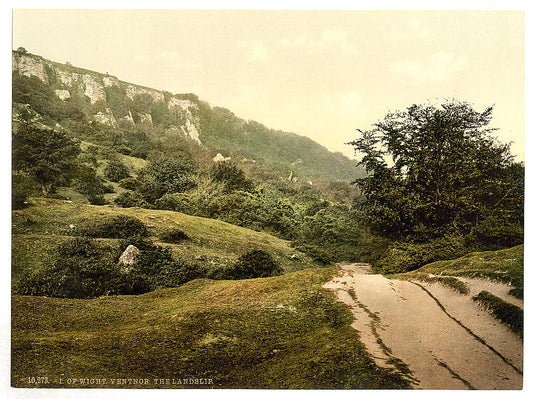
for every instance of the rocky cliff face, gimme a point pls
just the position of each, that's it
(70, 83)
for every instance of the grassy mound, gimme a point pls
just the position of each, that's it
(277, 332)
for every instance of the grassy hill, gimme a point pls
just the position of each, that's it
(47, 222)
(278, 332)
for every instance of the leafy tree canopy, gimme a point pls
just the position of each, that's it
(48, 156)
(437, 169)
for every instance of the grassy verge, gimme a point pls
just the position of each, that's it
(278, 332)
(506, 265)
(507, 313)
(447, 281)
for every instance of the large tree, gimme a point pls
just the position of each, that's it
(434, 170)
(49, 156)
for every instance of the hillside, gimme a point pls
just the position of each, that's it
(74, 97)
(278, 332)
(47, 222)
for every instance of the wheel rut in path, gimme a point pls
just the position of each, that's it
(433, 336)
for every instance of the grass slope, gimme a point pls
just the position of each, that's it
(505, 265)
(278, 332)
(46, 222)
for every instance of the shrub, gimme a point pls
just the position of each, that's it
(129, 199)
(254, 264)
(319, 254)
(116, 171)
(129, 183)
(91, 185)
(83, 269)
(495, 233)
(22, 188)
(230, 176)
(96, 200)
(79, 270)
(177, 202)
(167, 175)
(158, 268)
(173, 235)
(119, 226)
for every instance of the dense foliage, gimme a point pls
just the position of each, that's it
(47, 155)
(436, 173)
(166, 175)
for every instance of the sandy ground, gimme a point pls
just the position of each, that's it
(434, 336)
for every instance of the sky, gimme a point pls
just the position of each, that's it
(322, 74)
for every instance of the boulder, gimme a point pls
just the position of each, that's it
(128, 258)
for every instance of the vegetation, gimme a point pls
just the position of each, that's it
(79, 269)
(506, 265)
(448, 179)
(46, 155)
(255, 264)
(166, 175)
(116, 171)
(277, 332)
(173, 235)
(39, 227)
(119, 226)
(507, 313)
(447, 281)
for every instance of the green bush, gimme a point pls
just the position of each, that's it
(177, 202)
(91, 185)
(22, 187)
(167, 175)
(173, 235)
(230, 176)
(131, 199)
(254, 264)
(96, 199)
(119, 226)
(156, 266)
(497, 233)
(116, 171)
(80, 269)
(129, 183)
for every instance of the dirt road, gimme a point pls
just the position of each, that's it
(437, 338)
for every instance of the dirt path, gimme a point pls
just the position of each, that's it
(437, 338)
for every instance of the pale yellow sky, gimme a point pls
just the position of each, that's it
(321, 74)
